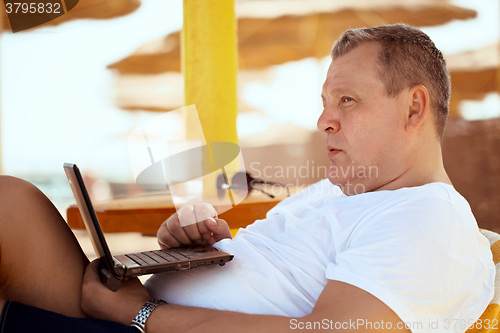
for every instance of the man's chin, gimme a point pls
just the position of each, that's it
(349, 186)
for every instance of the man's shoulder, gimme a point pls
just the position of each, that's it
(436, 190)
(427, 209)
(432, 195)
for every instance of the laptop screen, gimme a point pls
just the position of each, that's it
(88, 215)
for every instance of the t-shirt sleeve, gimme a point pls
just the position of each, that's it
(423, 259)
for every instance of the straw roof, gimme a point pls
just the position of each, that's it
(165, 92)
(473, 74)
(273, 32)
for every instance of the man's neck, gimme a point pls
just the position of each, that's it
(427, 168)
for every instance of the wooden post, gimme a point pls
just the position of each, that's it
(209, 64)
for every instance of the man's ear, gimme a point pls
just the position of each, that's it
(418, 107)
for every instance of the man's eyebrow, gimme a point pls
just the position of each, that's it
(340, 91)
(332, 91)
(329, 93)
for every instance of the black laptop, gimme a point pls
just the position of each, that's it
(116, 269)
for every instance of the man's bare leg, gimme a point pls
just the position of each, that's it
(41, 262)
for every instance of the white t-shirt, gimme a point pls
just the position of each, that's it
(417, 249)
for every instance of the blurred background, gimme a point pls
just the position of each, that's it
(74, 89)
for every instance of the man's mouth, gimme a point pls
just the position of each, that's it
(332, 152)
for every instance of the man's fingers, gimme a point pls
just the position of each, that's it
(165, 238)
(162, 234)
(187, 226)
(187, 219)
(202, 212)
(193, 233)
(219, 228)
(186, 215)
(177, 232)
(192, 220)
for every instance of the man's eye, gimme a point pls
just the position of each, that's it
(346, 99)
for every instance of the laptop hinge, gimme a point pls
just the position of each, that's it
(119, 268)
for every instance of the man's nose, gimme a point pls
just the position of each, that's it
(328, 121)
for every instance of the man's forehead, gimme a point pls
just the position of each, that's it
(364, 55)
(360, 63)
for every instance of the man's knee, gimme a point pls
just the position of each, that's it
(15, 188)
(19, 197)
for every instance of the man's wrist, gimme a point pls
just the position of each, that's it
(138, 324)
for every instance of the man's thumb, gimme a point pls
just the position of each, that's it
(219, 228)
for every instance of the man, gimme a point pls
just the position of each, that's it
(399, 245)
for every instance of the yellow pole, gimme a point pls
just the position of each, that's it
(1, 32)
(209, 63)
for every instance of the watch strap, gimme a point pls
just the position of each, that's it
(139, 322)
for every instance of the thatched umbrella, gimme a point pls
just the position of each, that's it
(165, 92)
(77, 9)
(273, 32)
(473, 74)
(269, 32)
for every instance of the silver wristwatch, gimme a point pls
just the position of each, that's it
(139, 322)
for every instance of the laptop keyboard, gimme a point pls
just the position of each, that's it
(161, 256)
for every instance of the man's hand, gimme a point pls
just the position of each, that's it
(193, 225)
(100, 302)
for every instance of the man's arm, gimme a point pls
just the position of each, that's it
(339, 304)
